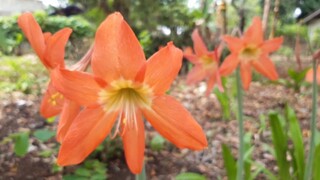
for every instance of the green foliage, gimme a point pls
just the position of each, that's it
(89, 170)
(285, 131)
(279, 140)
(297, 139)
(44, 134)
(224, 101)
(11, 36)
(286, 51)
(148, 19)
(297, 78)
(230, 163)
(291, 30)
(315, 39)
(190, 176)
(21, 74)
(316, 163)
(157, 143)
(21, 143)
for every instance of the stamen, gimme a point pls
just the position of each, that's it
(126, 97)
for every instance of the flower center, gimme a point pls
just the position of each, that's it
(207, 62)
(55, 98)
(126, 97)
(249, 53)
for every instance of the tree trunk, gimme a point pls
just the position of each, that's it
(275, 18)
(222, 17)
(265, 16)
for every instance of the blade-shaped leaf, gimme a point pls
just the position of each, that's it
(316, 163)
(280, 143)
(230, 163)
(297, 140)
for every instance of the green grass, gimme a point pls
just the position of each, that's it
(25, 74)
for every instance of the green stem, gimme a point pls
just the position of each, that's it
(313, 126)
(142, 175)
(241, 130)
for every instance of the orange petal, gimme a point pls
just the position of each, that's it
(214, 79)
(134, 144)
(86, 132)
(198, 44)
(175, 123)
(188, 51)
(197, 74)
(81, 87)
(229, 65)
(254, 33)
(235, 44)
(33, 32)
(189, 55)
(117, 52)
(52, 102)
(54, 54)
(245, 71)
(69, 111)
(163, 67)
(266, 67)
(272, 44)
(46, 36)
(309, 75)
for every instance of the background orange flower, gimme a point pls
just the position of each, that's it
(251, 51)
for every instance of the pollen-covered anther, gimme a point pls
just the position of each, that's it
(54, 98)
(125, 96)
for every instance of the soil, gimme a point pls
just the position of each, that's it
(20, 112)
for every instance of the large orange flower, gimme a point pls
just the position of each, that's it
(251, 51)
(309, 75)
(206, 63)
(50, 50)
(123, 89)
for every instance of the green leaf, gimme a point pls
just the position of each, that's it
(280, 142)
(98, 177)
(46, 153)
(224, 101)
(83, 172)
(21, 143)
(297, 139)
(73, 177)
(51, 120)
(190, 176)
(248, 149)
(316, 163)
(229, 162)
(157, 143)
(44, 134)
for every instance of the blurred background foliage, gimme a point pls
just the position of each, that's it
(157, 22)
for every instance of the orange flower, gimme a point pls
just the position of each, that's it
(251, 51)
(205, 63)
(309, 75)
(50, 50)
(124, 88)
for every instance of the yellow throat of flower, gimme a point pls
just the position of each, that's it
(250, 53)
(207, 62)
(125, 96)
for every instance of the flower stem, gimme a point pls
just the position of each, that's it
(142, 175)
(313, 125)
(241, 130)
